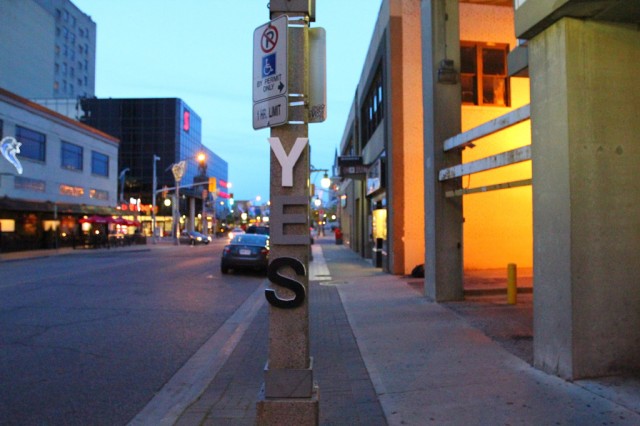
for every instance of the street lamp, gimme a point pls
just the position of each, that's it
(202, 172)
(325, 182)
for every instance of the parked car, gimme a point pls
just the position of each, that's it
(192, 238)
(256, 229)
(246, 251)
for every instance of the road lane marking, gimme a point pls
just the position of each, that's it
(197, 373)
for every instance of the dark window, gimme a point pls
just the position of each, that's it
(33, 143)
(99, 164)
(71, 156)
(372, 111)
(483, 73)
(28, 184)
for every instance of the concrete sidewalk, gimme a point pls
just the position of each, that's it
(386, 355)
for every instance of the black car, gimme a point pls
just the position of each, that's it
(254, 229)
(193, 238)
(249, 251)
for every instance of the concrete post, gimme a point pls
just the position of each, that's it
(585, 154)
(289, 394)
(443, 216)
(192, 215)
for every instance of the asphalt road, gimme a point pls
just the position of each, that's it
(89, 338)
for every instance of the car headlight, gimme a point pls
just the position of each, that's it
(199, 238)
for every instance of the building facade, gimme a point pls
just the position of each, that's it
(167, 128)
(69, 170)
(48, 49)
(379, 218)
(527, 156)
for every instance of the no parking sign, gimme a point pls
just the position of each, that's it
(270, 84)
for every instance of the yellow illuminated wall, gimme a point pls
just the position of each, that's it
(498, 225)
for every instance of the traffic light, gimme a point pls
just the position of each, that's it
(213, 186)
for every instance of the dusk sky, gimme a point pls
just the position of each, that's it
(202, 52)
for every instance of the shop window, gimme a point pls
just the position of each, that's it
(98, 194)
(7, 225)
(28, 184)
(33, 143)
(72, 191)
(99, 164)
(483, 73)
(71, 156)
(372, 111)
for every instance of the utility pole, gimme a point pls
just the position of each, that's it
(153, 200)
(289, 394)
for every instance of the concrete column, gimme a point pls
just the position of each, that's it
(289, 394)
(443, 216)
(191, 221)
(585, 124)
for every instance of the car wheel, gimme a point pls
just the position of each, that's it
(224, 269)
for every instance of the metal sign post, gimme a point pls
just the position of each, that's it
(289, 394)
(178, 170)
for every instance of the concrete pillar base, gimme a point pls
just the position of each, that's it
(289, 383)
(288, 411)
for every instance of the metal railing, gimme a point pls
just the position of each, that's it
(502, 159)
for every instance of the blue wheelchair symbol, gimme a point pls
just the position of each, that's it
(268, 65)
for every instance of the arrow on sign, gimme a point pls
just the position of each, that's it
(280, 87)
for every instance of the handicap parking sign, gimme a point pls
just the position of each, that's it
(268, 65)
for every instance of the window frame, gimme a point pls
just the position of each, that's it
(31, 148)
(478, 75)
(73, 160)
(95, 157)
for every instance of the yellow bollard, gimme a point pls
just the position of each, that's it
(512, 284)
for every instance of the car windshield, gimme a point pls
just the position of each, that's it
(252, 239)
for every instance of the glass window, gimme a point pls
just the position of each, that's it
(28, 184)
(33, 143)
(483, 73)
(99, 164)
(372, 108)
(73, 191)
(98, 194)
(71, 156)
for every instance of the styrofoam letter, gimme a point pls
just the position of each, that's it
(287, 161)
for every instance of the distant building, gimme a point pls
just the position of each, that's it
(169, 129)
(47, 49)
(69, 170)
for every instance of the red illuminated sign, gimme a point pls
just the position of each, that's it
(186, 120)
